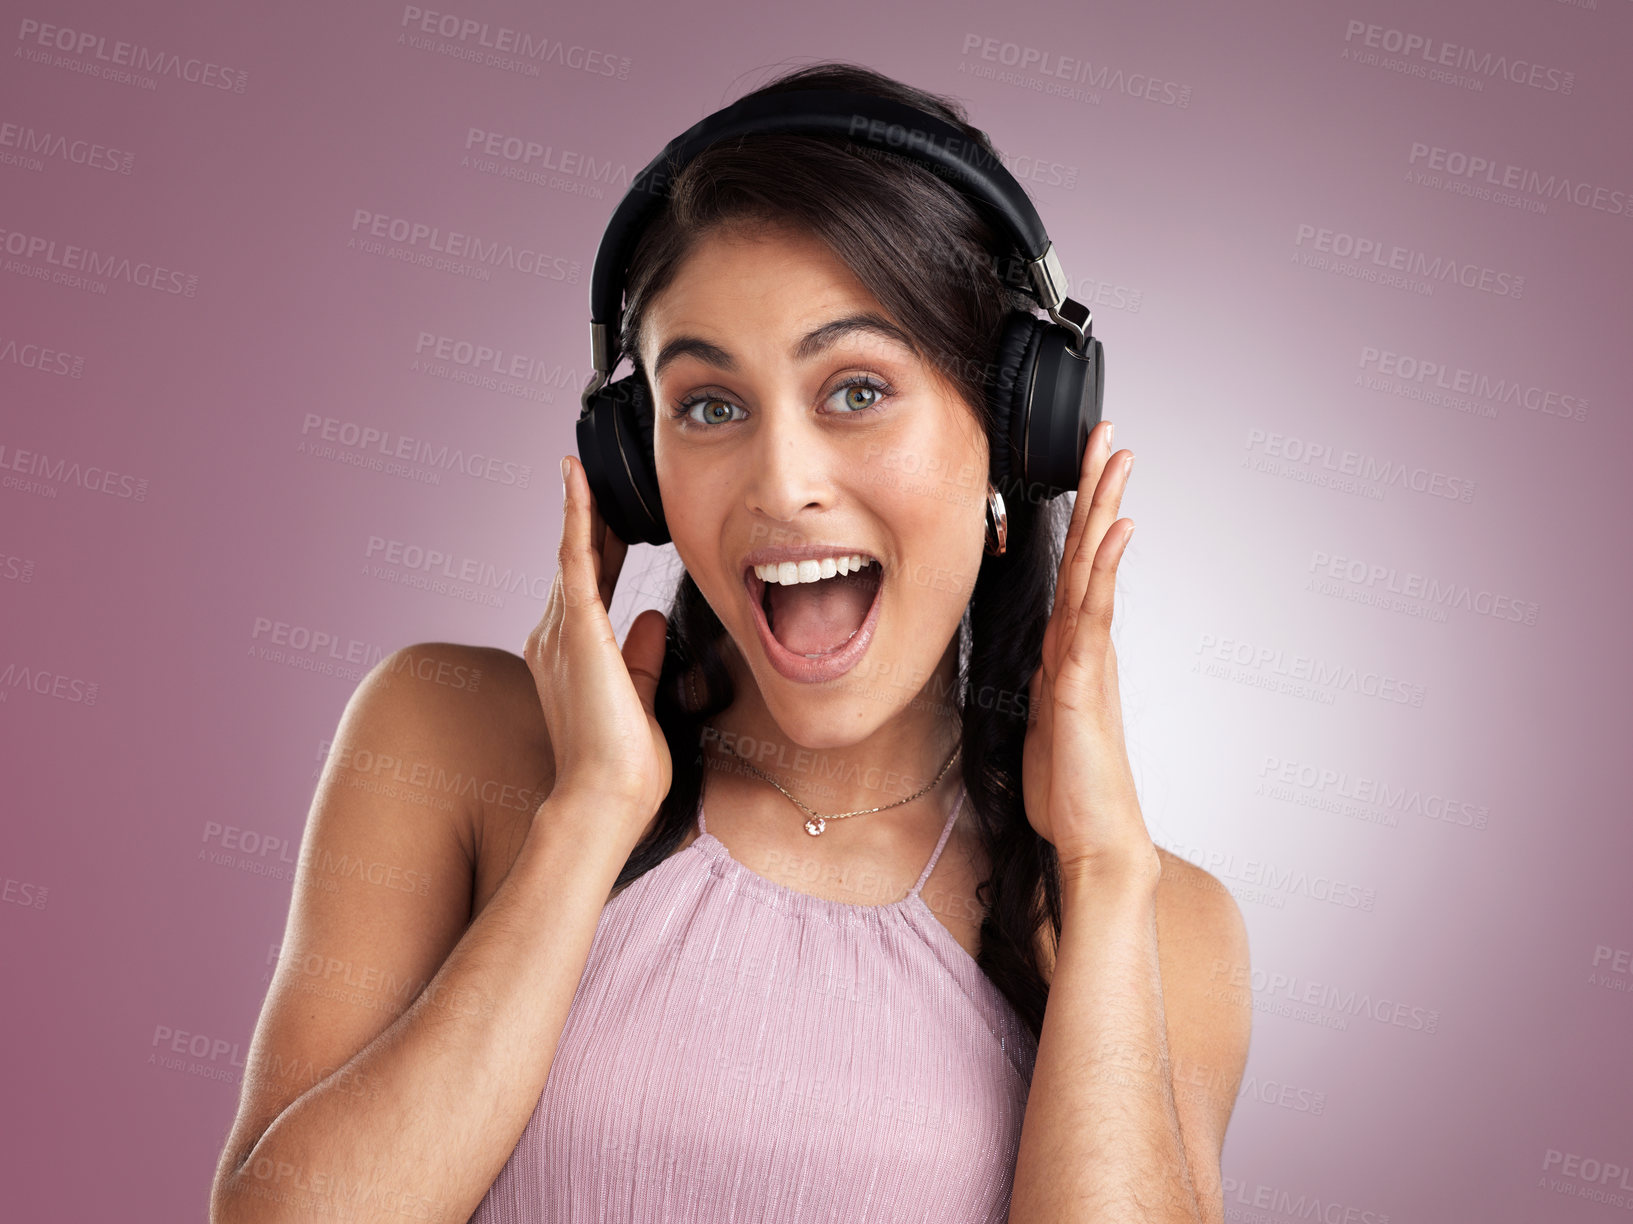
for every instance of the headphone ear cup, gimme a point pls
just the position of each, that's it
(1066, 400)
(1009, 391)
(615, 445)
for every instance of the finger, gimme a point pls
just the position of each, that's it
(1093, 630)
(1103, 506)
(606, 547)
(1106, 502)
(1093, 464)
(1094, 460)
(578, 562)
(643, 655)
(598, 524)
(567, 551)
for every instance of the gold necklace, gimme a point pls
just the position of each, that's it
(815, 822)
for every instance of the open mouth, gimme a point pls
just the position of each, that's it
(812, 630)
(815, 618)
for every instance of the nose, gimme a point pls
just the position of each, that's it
(790, 465)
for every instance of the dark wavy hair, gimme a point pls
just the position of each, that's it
(926, 253)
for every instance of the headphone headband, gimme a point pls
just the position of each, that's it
(879, 122)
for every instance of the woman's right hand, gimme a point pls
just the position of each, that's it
(598, 702)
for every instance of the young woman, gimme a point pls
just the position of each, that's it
(829, 895)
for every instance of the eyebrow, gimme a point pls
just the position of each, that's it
(810, 345)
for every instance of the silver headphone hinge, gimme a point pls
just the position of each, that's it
(1066, 314)
(601, 347)
(600, 358)
(1050, 283)
(1048, 278)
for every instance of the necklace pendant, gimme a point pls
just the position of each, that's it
(815, 825)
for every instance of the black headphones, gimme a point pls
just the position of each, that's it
(1047, 383)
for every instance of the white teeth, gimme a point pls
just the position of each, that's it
(792, 573)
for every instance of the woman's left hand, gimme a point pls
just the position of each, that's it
(1078, 786)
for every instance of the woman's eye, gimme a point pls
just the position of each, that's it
(860, 395)
(711, 406)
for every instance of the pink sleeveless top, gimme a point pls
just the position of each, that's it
(742, 1051)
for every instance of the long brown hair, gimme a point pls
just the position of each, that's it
(926, 254)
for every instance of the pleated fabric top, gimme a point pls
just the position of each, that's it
(738, 1050)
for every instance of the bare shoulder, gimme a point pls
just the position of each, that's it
(1201, 938)
(1195, 903)
(475, 713)
(1200, 930)
(1202, 953)
(488, 690)
(509, 749)
(434, 737)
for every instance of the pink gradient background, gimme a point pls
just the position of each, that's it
(1185, 218)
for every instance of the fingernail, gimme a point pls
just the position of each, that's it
(1111, 431)
(564, 475)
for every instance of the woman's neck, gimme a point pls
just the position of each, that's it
(906, 754)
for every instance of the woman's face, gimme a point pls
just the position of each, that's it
(779, 428)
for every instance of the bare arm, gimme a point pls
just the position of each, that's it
(429, 1091)
(1109, 1134)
